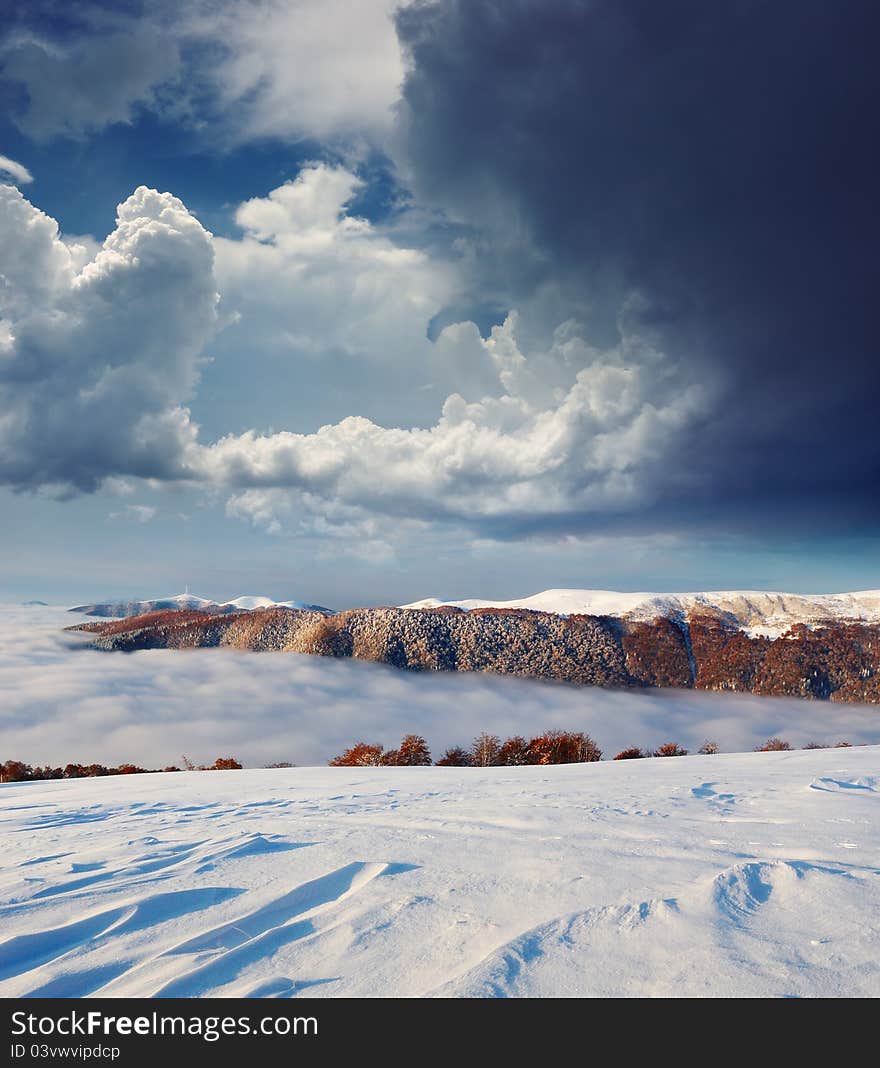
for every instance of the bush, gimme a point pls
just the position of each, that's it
(670, 749)
(630, 754)
(16, 771)
(708, 749)
(413, 752)
(843, 745)
(514, 752)
(815, 745)
(563, 747)
(360, 755)
(280, 764)
(224, 764)
(773, 745)
(455, 757)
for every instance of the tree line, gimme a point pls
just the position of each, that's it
(552, 747)
(18, 771)
(486, 751)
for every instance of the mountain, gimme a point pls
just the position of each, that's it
(782, 646)
(756, 612)
(187, 602)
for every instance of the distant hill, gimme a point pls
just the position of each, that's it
(187, 602)
(768, 644)
(759, 613)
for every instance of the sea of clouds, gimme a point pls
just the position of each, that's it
(61, 701)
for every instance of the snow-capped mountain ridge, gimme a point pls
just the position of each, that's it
(757, 611)
(189, 602)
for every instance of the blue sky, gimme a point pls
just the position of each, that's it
(450, 299)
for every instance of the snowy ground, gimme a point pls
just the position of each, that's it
(753, 874)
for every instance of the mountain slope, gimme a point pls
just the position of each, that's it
(840, 661)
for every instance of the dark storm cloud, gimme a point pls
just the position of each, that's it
(720, 160)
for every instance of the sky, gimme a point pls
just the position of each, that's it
(358, 304)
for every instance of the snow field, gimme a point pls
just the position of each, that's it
(734, 875)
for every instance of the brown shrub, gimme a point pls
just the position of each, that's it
(773, 745)
(630, 754)
(514, 752)
(708, 749)
(225, 764)
(360, 755)
(563, 747)
(413, 752)
(455, 757)
(670, 749)
(16, 771)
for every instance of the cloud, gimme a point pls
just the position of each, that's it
(60, 702)
(698, 156)
(326, 69)
(323, 69)
(102, 353)
(576, 431)
(96, 359)
(89, 80)
(309, 284)
(135, 513)
(16, 171)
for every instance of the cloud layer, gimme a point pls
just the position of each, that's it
(233, 71)
(60, 702)
(100, 356)
(591, 445)
(678, 206)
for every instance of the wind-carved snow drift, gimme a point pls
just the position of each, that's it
(762, 882)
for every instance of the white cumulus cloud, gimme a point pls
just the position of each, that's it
(97, 358)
